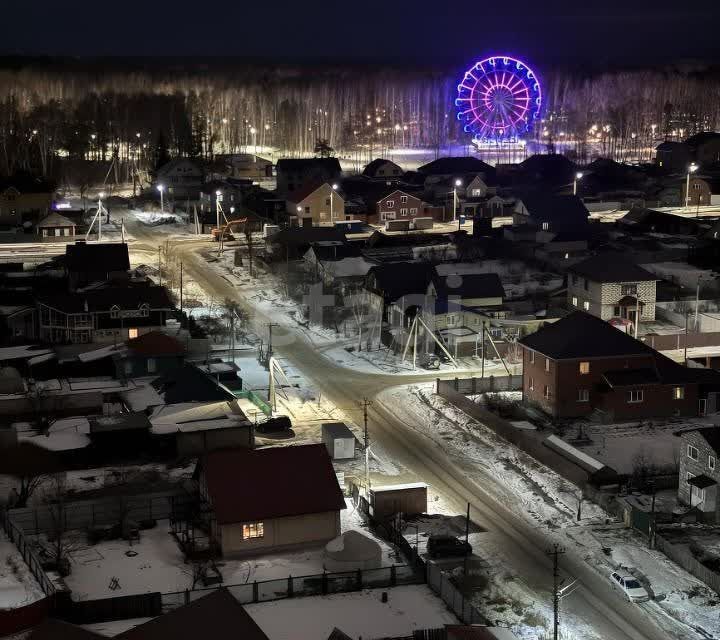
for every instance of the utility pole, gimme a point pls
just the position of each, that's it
(159, 265)
(365, 404)
(269, 347)
(181, 287)
(556, 553)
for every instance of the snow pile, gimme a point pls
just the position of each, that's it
(18, 587)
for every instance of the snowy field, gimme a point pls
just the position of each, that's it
(549, 502)
(360, 615)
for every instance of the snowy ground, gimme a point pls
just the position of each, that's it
(539, 495)
(18, 587)
(360, 615)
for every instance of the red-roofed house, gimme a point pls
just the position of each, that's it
(270, 499)
(320, 202)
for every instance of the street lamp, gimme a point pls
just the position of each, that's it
(161, 189)
(458, 183)
(333, 189)
(578, 176)
(691, 169)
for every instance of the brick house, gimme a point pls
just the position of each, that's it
(299, 505)
(700, 193)
(581, 364)
(318, 202)
(611, 286)
(400, 205)
(699, 473)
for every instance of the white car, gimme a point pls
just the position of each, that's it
(632, 589)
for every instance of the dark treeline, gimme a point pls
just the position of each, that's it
(48, 113)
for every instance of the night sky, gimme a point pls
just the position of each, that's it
(613, 32)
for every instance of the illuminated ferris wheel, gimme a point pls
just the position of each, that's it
(499, 99)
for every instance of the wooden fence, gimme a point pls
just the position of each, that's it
(684, 558)
(471, 386)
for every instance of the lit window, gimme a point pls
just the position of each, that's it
(546, 392)
(545, 226)
(253, 530)
(547, 364)
(635, 396)
(390, 204)
(574, 301)
(531, 384)
(678, 393)
(583, 395)
(629, 289)
(413, 211)
(586, 305)
(403, 199)
(132, 333)
(711, 463)
(584, 367)
(692, 452)
(403, 212)
(532, 357)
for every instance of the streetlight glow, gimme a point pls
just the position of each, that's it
(458, 182)
(335, 186)
(579, 175)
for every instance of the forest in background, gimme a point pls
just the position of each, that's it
(52, 113)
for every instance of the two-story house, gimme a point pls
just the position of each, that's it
(181, 180)
(611, 286)
(581, 364)
(401, 205)
(294, 173)
(320, 203)
(548, 212)
(94, 263)
(699, 472)
(24, 199)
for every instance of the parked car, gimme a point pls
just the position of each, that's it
(447, 546)
(429, 361)
(630, 586)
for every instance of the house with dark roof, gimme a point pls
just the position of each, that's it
(151, 353)
(382, 169)
(672, 156)
(292, 243)
(609, 285)
(396, 204)
(299, 505)
(24, 200)
(190, 383)
(548, 212)
(396, 290)
(319, 202)
(643, 220)
(104, 314)
(182, 179)
(294, 173)
(457, 166)
(699, 471)
(704, 147)
(97, 262)
(217, 615)
(582, 364)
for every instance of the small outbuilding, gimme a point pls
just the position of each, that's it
(339, 440)
(410, 499)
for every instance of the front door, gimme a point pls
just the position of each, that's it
(702, 406)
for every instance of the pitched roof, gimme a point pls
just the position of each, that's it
(295, 480)
(710, 434)
(470, 285)
(55, 220)
(52, 629)
(398, 279)
(372, 167)
(111, 256)
(307, 190)
(464, 164)
(299, 236)
(305, 164)
(218, 615)
(95, 300)
(156, 343)
(612, 267)
(580, 335)
(189, 384)
(549, 207)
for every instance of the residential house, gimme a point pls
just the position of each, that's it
(151, 353)
(246, 165)
(339, 265)
(299, 505)
(190, 383)
(702, 148)
(293, 243)
(182, 180)
(547, 212)
(551, 170)
(401, 205)
(103, 315)
(397, 291)
(456, 167)
(705, 147)
(88, 264)
(699, 472)
(643, 220)
(672, 156)
(24, 200)
(700, 194)
(582, 364)
(294, 173)
(381, 169)
(55, 226)
(231, 195)
(611, 286)
(320, 203)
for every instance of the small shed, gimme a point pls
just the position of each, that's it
(339, 440)
(124, 431)
(410, 499)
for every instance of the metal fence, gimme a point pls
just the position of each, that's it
(17, 537)
(470, 386)
(441, 584)
(88, 513)
(683, 557)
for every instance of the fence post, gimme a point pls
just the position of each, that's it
(393, 576)
(290, 587)
(255, 591)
